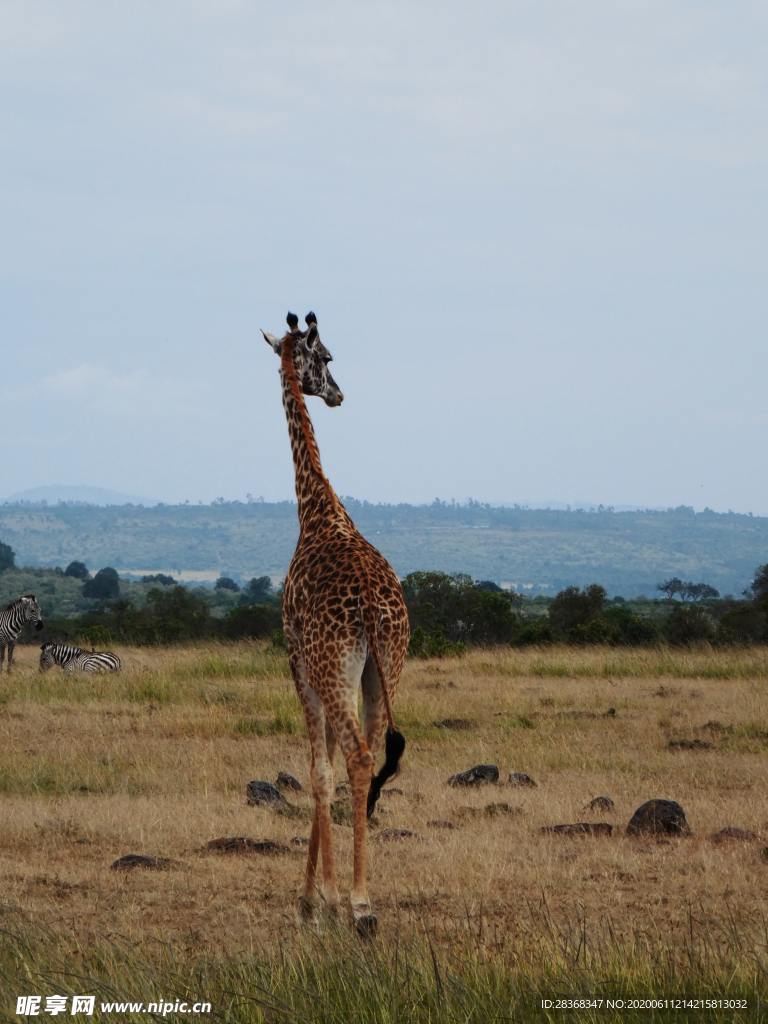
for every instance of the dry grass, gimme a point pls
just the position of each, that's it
(156, 761)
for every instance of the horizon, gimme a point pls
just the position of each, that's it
(249, 499)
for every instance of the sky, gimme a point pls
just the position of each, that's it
(533, 231)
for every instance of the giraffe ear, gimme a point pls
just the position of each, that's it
(312, 335)
(271, 340)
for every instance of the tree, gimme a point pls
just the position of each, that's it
(105, 585)
(671, 587)
(257, 591)
(7, 557)
(759, 586)
(225, 583)
(458, 609)
(78, 570)
(572, 610)
(161, 578)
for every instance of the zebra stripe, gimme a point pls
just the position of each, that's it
(74, 659)
(13, 619)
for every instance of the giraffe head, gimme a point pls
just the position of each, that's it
(310, 359)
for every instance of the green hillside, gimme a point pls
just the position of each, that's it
(537, 550)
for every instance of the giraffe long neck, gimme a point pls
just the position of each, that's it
(316, 498)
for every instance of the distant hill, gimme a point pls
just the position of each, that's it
(84, 495)
(536, 550)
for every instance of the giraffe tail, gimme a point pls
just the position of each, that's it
(394, 745)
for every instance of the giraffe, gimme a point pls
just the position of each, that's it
(346, 628)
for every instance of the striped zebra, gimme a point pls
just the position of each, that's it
(13, 619)
(75, 659)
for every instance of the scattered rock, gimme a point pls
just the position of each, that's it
(479, 775)
(689, 745)
(441, 823)
(580, 828)
(521, 779)
(300, 841)
(394, 835)
(243, 844)
(731, 832)
(260, 793)
(659, 817)
(287, 781)
(459, 724)
(601, 803)
(139, 860)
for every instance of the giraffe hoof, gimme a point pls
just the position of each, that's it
(366, 926)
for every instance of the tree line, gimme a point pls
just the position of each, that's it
(448, 612)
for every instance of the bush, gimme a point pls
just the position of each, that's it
(533, 631)
(689, 625)
(260, 620)
(432, 645)
(743, 624)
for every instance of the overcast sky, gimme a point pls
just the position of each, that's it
(534, 234)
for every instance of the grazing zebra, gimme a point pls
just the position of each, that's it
(75, 659)
(12, 620)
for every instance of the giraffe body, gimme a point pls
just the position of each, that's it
(345, 625)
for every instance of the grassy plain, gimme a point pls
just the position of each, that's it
(477, 923)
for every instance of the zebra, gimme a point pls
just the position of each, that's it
(75, 659)
(12, 620)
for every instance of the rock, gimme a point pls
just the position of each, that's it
(287, 781)
(440, 823)
(689, 745)
(610, 713)
(479, 775)
(139, 860)
(580, 828)
(394, 835)
(459, 724)
(243, 844)
(659, 817)
(521, 779)
(300, 841)
(261, 793)
(601, 803)
(731, 832)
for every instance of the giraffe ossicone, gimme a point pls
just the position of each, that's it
(346, 629)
